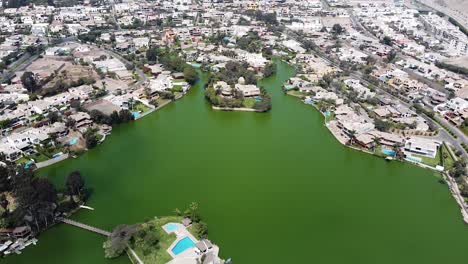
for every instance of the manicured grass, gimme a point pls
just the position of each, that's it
(448, 160)
(140, 107)
(157, 254)
(178, 81)
(177, 88)
(295, 93)
(249, 102)
(22, 160)
(39, 157)
(429, 161)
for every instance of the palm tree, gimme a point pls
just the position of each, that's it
(131, 102)
(352, 136)
(376, 141)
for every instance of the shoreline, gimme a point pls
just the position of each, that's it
(66, 156)
(452, 185)
(242, 109)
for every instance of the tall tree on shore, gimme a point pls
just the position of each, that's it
(74, 184)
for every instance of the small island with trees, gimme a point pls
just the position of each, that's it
(235, 88)
(165, 240)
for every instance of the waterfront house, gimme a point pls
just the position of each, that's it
(22, 232)
(422, 146)
(248, 90)
(204, 245)
(225, 88)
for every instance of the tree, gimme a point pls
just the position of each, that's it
(152, 54)
(382, 125)
(190, 75)
(269, 70)
(387, 41)
(192, 212)
(91, 138)
(391, 56)
(125, 116)
(53, 117)
(28, 79)
(74, 184)
(337, 29)
(458, 169)
(118, 240)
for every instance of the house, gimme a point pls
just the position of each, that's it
(422, 146)
(82, 119)
(22, 232)
(457, 104)
(365, 140)
(204, 245)
(248, 90)
(225, 88)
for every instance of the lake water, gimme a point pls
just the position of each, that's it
(273, 187)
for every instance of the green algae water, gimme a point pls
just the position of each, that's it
(273, 187)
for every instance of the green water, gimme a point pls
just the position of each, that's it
(273, 188)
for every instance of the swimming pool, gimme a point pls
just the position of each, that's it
(183, 244)
(135, 115)
(73, 141)
(388, 152)
(170, 227)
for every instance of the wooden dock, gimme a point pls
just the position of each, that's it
(84, 226)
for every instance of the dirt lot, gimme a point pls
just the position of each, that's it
(460, 62)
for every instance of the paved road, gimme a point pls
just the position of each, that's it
(18, 65)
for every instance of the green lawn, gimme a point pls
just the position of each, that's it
(448, 160)
(22, 160)
(140, 107)
(295, 93)
(249, 102)
(156, 254)
(38, 157)
(177, 88)
(429, 161)
(178, 81)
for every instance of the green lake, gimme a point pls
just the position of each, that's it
(273, 187)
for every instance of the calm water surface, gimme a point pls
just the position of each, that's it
(273, 188)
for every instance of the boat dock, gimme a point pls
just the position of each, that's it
(84, 226)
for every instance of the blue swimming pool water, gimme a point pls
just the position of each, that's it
(388, 152)
(196, 65)
(73, 141)
(170, 227)
(183, 244)
(135, 115)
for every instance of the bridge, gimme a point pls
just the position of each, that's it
(83, 226)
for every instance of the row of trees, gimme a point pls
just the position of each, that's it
(122, 116)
